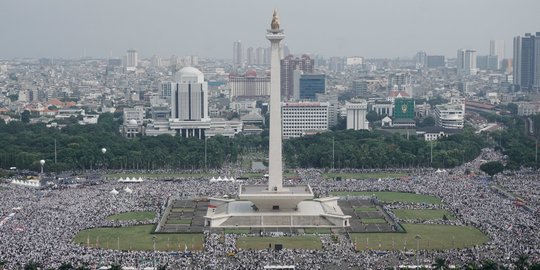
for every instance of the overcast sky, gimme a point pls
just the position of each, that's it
(369, 28)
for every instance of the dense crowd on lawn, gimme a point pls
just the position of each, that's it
(40, 225)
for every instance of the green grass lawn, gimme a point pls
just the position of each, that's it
(133, 216)
(317, 230)
(394, 196)
(178, 221)
(366, 209)
(363, 176)
(138, 238)
(237, 231)
(159, 175)
(290, 242)
(432, 237)
(423, 214)
(373, 220)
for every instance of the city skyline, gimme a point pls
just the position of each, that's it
(372, 29)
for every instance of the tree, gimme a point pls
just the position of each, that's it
(2, 263)
(492, 168)
(25, 116)
(66, 266)
(372, 116)
(428, 122)
(440, 264)
(513, 108)
(522, 262)
(116, 266)
(31, 265)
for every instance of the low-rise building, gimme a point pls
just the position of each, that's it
(299, 117)
(450, 115)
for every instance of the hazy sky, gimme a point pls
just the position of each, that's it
(369, 28)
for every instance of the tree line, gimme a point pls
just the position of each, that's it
(79, 148)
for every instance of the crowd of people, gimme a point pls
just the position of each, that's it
(40, 225)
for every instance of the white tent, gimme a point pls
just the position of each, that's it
(213, 179)
(120, 179)
(114, 191)
(219, 178)
(225, 178)
(232, 179)
(140, 179)
(127, 179)
(128, 190)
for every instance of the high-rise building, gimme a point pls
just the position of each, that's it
(450, 115)
(360, 88)
(249, 85)
(131, 60)
(238, 54)
(435, 61)
(466, 62)
(302, 118)
(496, 48)
(288, 65)
(356, 115)
(260, 54)
(421, 59)
(189, 96)
(487, 62)
(526, 63)
(310, 85)
(251, 58)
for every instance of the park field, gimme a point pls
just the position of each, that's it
(363, 176)
(387, 197)
(432, 237)
(133, 216)
(138, 238)
(422, 214)
(289, 242)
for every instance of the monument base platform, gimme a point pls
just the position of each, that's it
(316, 213)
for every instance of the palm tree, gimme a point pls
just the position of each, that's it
(440, 264)
(522, 262)
(2, 263)
(471, 266)
(116, 266)
(66, 266)
(31, 265)
(535, 266)
(489, 265)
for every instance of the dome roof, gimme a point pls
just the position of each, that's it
(251, 73)
(189, 71)
(132, 122)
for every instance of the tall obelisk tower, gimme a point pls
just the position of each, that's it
(275, 179)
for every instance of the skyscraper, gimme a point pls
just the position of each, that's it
(131, 60)
(238, 54)
(527, 61)
(260, 56)
(250, 53)
(288, 65)
(496, 48)
(189, 96)
(310, 85)
(466, 62)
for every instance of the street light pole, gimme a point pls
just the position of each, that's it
(417, 237)
(154, 241)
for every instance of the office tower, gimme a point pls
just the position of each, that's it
(399, 81)
(435, 61)
(250, 53)
(333, 104)
(466, 62)
(131, 60)
(249, 85)
(288, 65)
(487, 62)
(303, 118)
(285, 51)
(360, 88)
(527, 62)
(238, 54)
(421, 59)
(189, 96)
(260, 56)
(356, 115)
(496, 48)
(310, 85)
